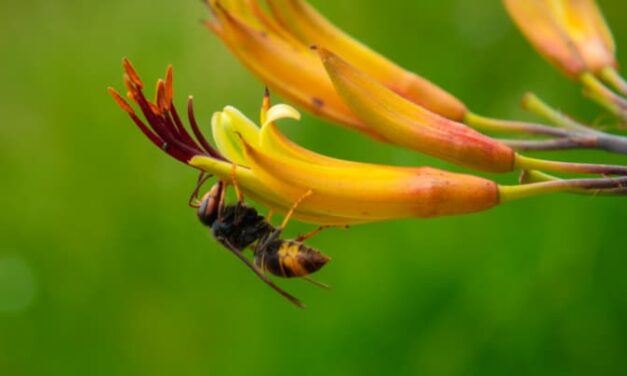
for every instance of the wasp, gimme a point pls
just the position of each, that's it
(239, 226)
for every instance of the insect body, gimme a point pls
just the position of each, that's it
(239, 226)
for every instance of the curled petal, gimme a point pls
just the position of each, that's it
(278, 112)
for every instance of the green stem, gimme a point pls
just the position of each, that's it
(550, 145)
(611, 76)
(526, 163)
(534, 176)
(517, 192)
(497, 125)
(605, 97)
(585, 136)
(531, 102)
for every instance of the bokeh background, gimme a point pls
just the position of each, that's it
(105, 271)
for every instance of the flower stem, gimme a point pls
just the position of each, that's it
(611, 76)
(605, 97)
(526, 163)
(551, 145)
(573, 135)
(516, 192)
(498, 125)
(531, 102)
(534, 176)
(586, 135)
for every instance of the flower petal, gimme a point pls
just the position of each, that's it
(226, 139)
(406, 124)
(280, 111)
(372, 192)
(253, 188)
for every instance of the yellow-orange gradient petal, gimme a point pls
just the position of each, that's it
(373, 192)
(407, 124)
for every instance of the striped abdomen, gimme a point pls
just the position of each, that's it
(288, 258)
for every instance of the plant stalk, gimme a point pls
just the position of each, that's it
(527, 163)
(605, 97)
(611, 76)
(599, 139)
(517, 192)
(534, 176)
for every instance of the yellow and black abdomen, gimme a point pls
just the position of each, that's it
(289, 258)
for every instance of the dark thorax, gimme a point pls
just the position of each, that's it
(240, 225)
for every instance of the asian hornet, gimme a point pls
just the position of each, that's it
(239, 226)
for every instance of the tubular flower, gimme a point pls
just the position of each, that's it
(571, 34)
(276, 172)
(275, 47)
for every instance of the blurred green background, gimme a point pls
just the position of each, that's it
(105, 271)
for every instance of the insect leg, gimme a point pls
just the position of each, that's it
(311, 234)
(315, 232)
(270, 215)
(193, 199)
(293, 208)
(316, 283)
(262, 276)
(221, 200)
(238, 191)
(277, 231)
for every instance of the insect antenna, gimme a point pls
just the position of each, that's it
(262, 276)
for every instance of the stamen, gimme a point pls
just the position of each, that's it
(169, 84)
(267, 102)
(182, 131)
(130, 86)
(199, 136)
(162, 101)
(132, 73)
(154, 138)
(164, 127)
(120, 101)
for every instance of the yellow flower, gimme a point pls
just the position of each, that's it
(571, 34)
